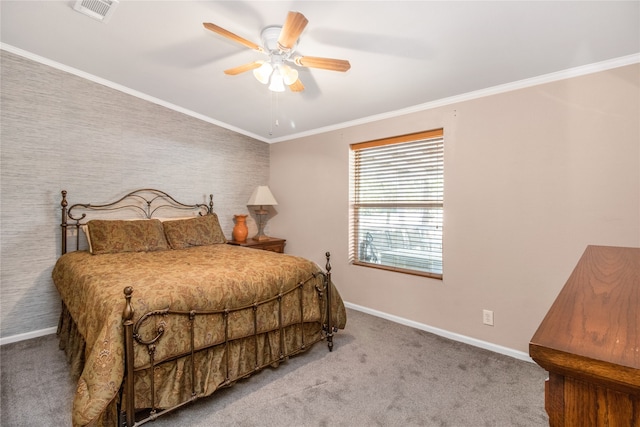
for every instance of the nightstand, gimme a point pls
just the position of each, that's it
(272, 244)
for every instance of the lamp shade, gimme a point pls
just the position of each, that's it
(289, 75)
(263, 73)
(277, 81)
(262, 197)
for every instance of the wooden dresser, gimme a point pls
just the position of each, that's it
(589, 342)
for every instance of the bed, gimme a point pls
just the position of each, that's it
(158, 311)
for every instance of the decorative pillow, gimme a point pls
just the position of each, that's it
(198, 231)
(112, 236)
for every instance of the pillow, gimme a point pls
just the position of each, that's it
(85, 230)
(198, 231)
(113, 236)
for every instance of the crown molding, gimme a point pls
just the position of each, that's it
(124, 89)
(508, 87)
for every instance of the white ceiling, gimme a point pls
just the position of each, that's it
(403, 54)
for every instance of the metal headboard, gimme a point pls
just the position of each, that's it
(146, 202)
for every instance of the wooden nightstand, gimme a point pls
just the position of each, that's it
(273, 244)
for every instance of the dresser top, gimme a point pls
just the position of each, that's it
(596, 316)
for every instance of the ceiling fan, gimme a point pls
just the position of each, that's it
(279, 44)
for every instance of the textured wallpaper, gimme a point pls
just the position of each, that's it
(60, 131)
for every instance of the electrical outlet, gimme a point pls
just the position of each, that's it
(487, 317)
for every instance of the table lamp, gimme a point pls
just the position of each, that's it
(261, 197)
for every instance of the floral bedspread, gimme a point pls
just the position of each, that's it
(203, 278)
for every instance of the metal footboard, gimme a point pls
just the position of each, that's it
(134, 337)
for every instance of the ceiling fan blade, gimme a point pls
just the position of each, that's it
(243, 68)
(324, 63)
(228, 34)
(291, 30)
(296, 86)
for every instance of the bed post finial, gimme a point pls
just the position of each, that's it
(127, 313)
(210, 203)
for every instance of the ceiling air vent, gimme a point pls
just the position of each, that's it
(96, 9)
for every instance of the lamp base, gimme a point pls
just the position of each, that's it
(261, 214)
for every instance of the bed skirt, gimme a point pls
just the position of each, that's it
(72, 342)
(172, 384)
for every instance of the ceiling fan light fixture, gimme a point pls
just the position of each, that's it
(279, 44)
(277, 82)
(289, 74)
(263, 73)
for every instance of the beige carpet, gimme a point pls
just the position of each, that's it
(379, 374)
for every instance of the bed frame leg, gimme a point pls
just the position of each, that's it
(127, 322)
(329, 326)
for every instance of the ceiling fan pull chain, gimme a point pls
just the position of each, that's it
(270, 113)
(273, 117)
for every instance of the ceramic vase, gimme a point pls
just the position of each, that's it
(240, 230)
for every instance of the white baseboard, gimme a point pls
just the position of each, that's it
(443, 333)
(28, 335)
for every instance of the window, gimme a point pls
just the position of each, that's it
(397, 189)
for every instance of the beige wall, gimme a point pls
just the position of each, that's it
(532, 177)
(60, 131)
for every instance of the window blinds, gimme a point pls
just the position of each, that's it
(397, 203)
